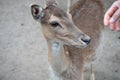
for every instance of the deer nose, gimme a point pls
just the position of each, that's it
(87, 41)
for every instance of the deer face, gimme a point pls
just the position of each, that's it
(58, 26)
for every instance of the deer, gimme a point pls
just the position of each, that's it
(72, 35)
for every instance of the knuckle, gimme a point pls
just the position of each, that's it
(115, 16)
(117, 3)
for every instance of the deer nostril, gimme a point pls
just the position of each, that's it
(87, 41)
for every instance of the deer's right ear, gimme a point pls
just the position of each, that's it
(37, 12)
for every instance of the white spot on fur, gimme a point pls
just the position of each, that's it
(56, 48)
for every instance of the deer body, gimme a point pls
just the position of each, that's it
(67, 42)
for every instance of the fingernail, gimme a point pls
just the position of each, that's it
(118, 28)
(106, 24)
(112, 28)
(112, 20)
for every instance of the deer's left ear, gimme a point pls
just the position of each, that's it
(37, 12)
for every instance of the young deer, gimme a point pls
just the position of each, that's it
(65, 35)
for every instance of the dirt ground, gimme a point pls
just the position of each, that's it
(23, 50)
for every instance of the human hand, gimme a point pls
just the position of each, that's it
(112, 16)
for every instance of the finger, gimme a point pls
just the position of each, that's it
(115, 16)
(112, 26)
(118, 24)
(109, 14)
(106, 20)
(112, 9)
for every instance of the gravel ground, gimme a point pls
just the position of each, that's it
(23, 50)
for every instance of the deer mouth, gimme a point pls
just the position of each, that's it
(83, 43)
(79, 43)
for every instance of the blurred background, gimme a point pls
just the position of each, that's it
(23, 50)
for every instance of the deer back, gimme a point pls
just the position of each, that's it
(87, 16)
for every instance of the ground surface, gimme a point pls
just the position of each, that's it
(23, 51)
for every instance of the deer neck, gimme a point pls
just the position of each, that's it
(61, 64)
(57, 57)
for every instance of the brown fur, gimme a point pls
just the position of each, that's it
(87, 16)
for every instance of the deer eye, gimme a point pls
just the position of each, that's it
(54, 24)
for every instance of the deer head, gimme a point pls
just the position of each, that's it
(58, 26)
